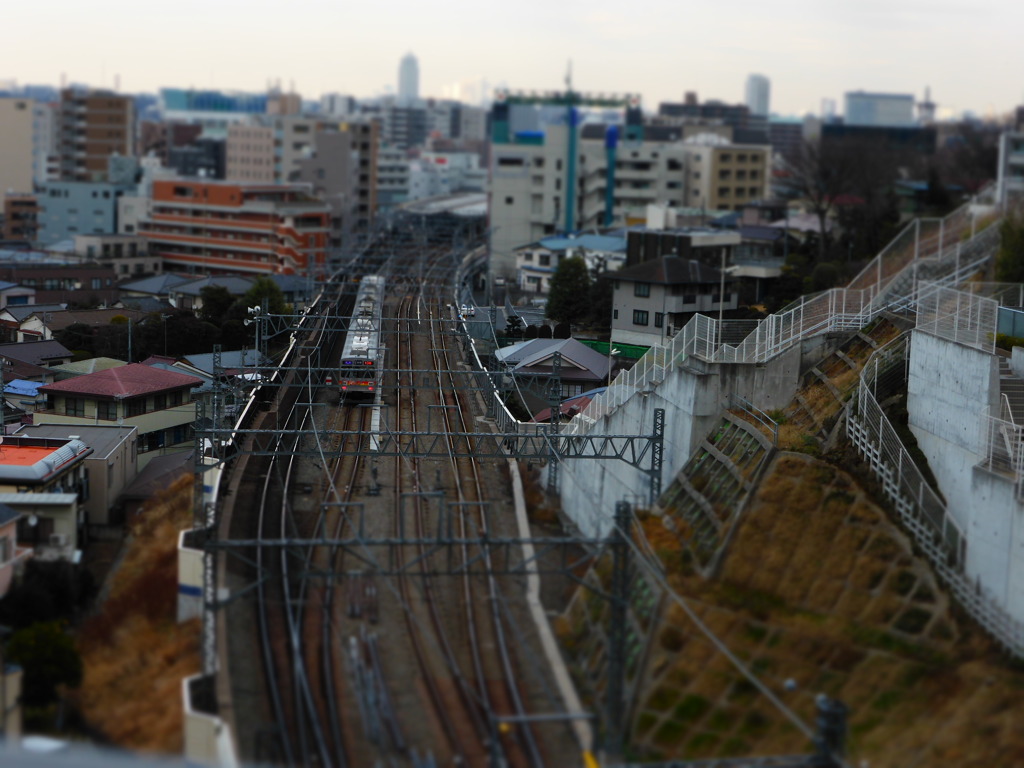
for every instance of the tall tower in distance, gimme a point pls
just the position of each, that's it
(758, 93)
(408, 80)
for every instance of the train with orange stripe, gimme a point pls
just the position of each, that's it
(362, 358)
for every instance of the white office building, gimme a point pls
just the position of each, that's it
(758, 94)
(408, 80)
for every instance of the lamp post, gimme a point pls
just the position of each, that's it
(611, 361)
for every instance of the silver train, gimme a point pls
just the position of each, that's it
(362, 358)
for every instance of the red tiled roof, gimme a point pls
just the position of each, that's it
(127, 381)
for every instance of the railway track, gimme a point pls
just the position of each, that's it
(364, 669)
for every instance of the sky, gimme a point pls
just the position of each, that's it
(967, 52)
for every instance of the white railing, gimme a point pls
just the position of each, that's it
(932, 246)
(957, 316)
(1004, 447)
(918, 506)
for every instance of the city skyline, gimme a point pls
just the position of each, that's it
(810, 51)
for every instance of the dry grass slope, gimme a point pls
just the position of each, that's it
(134, 652)
(820, 588)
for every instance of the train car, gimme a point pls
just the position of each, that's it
(362, 358)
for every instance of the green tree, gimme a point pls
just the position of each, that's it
(47, 655)
(1010, 258)
(217, 300)
(569, 292)
(263, 288)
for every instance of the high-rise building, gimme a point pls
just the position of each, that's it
(758, 94)
(16, 145)
(408, 79)
(93, 126)
(879, 110)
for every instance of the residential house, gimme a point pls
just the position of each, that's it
(158, 286)
(24, 395)
(47, 354)
(11, 555)
(15, 295)
(45, 478)
(531, 363)
(158, 402)
(537, 262)
(240, 363)
(654, 299)
(11, 318)
(189, 295)
(43, 325)
(85, 367)
(110, 468)
(158, 474)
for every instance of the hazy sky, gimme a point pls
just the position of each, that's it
(968, 52)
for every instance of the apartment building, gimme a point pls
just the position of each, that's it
(721, 176)
(126, 255)
(211, 227)
(276, 150)
(93, 125)
(69, 208)
(250, 153)
(617, 173)
(21, 218)
(392, 176)
(17, 136)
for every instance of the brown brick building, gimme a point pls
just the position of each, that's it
(93, 126)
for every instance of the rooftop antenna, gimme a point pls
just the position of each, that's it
(568, 76)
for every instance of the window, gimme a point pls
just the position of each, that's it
(159, 402)
(74, 406)
(615, 314)
(175, 399)
(135, 407)
(544, 259)
(639, 317)
(508, 201)
(643, 290)
(106, 409)
(659, 319)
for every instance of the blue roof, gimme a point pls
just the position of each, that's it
(23, 388)
(590, 242)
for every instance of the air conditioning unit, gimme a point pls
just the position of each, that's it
(58, 539)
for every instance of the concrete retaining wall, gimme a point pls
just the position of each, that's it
(693, 397)
(949, 390)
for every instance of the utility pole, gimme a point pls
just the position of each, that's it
(615, 706)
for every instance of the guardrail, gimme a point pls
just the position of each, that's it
(935, 247)
(918, 506)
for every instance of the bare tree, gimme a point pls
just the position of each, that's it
(820, 174)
